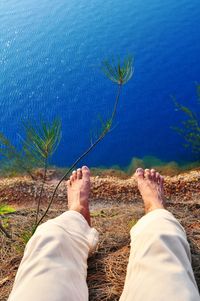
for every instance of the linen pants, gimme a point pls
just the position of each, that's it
(54, 266)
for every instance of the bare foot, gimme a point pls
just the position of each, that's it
(78, 189)
(150, 184)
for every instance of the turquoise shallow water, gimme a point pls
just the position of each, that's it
(50, 58)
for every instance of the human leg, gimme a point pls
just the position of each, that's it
(54, 266)
(159, 266)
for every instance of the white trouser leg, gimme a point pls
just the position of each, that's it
(54, 266)
(159, 266)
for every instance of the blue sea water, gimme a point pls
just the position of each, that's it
(50, 65)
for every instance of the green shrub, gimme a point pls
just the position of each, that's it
(37, 146)
(4, 222)
(5, 209)
(189, 128)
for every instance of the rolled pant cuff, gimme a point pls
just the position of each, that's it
(74, 223)
(151, 217)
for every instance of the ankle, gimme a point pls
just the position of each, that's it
(154, 206)
(80, 209)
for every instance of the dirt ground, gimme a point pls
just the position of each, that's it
(115, 208)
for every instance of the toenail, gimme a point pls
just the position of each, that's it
(73, 171)
(79, 169)
(85, 167)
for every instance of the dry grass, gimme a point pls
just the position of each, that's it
(107, 266)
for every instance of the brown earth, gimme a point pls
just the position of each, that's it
(115, 206)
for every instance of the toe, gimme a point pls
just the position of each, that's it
(85, 172)
(74, 175)
(79, 173)
(147, 174)
(153, 174)
(68, 183)
(71, 179)
(158, 177)
(139, 174)
(161, 181)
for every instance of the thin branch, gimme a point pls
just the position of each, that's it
(103, 134)
(116, 102)
(42, 188)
